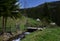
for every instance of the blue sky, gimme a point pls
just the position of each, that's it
(32, 3)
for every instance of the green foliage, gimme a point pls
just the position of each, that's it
(32, 23)
(8, 8)
(12, 23)
(50, 11)
(49, 34)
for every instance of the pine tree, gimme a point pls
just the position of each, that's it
(8, 9)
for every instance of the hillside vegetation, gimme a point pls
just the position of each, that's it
(24, 22)
(49, 10)
(49, 34)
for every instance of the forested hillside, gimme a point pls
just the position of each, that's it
(50, 11)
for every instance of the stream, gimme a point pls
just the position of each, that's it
(21, 36)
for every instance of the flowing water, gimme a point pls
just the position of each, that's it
(16, 39)
(21, 36)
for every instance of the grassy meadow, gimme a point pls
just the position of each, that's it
(11, 24)
(23, 23)
(49, 34)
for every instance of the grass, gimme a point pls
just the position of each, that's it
(33, 22)
(10, 26)
(49, 34)
(12, 22)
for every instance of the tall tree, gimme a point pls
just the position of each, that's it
(8, 9)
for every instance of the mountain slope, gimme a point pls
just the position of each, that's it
(50, 11)
(49, 34)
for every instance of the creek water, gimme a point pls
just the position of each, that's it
(21, 36)
(16, 39)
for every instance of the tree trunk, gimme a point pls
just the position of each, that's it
(3, 25)
(3, 30)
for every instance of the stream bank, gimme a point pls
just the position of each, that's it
(23, 34)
